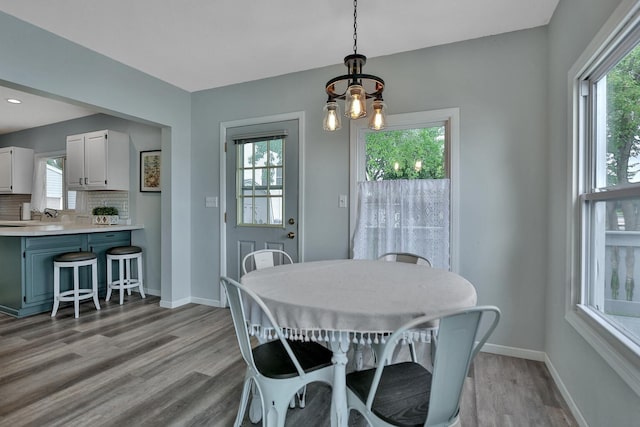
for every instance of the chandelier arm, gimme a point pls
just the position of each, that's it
(358, 78)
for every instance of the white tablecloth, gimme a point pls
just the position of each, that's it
(356, 296)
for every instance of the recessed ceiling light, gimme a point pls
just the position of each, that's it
(14, 101)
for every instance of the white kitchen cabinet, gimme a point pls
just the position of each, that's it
(16, 170)
(98, 161)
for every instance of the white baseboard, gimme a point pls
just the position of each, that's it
(174, 304)
(540, 356)
(206, 301)
(521, 353)
(565, 393)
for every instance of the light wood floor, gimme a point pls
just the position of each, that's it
(142, 365)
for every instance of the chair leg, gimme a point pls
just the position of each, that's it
(128, 275)
(76, 291)
(302, 397)
(244, 398)
(121, 277)
(140, 276)
(56, 290)
(94, 284)
(109, 278)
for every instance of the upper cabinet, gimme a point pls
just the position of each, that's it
(98, 161)
(16, 170)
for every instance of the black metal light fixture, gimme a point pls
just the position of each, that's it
(354, 88)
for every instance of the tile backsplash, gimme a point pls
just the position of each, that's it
(10, 205)
(117, 199)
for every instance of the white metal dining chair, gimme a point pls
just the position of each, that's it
(277, 368)
(405, 257)
(406, 393)
(409, 258)
(264, 258)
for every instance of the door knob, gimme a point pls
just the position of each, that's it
(291, 234)
(292, 221)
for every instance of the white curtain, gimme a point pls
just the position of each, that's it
(403, 216)
(39, 186)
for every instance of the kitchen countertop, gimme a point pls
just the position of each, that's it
(39, 228)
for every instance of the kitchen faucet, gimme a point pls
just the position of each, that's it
(51, 213)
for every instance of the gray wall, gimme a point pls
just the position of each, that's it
(40, 62)
(600, 394)
(511, 91)
(144, 207)
(498, 84)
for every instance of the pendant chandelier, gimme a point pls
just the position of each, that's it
(355, 88)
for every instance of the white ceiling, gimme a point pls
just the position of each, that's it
(202, 44)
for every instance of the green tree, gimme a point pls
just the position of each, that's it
(623, 144)
(405, 154)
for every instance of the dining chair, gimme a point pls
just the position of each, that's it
(408, 258)
(277, 368)
(405, 257)
(406, 393)
(264, 258)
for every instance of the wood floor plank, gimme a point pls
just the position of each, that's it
(139, 364)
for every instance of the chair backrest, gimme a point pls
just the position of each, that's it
(264, 258)
(405, 257)
(459, 340)
(238, 296)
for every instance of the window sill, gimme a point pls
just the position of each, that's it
(622, 354)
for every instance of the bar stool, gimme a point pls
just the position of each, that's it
(124, 255)
(75, 260)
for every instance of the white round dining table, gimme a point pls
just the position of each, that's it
(340, 300)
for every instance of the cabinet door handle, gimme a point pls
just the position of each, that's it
(86, 181)
(79, 181)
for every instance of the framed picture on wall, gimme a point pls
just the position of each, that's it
(150, 162)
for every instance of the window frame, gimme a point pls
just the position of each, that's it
(450, 117)
(604, 51)
(65, 190)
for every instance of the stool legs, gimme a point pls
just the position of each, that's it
(125, 279)
(76, 294)
(56, 290)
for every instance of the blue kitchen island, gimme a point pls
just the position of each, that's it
(26, 260)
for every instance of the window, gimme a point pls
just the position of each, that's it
(260, 172)
(605, 304)
(52, 191)
(421, 145)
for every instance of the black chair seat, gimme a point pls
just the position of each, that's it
(75, 256)
(272, 360)
(124, 250)
(402, 398)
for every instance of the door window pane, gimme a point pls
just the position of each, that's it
(260, 174)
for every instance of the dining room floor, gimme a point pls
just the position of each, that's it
(139, 364)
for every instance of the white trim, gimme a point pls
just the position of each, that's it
(175, 304)
(451, 116)
(629, 372)
(565, 393)
(206, 301)
(520, 353)
(599, 334)
(540, 356)
(296, 115)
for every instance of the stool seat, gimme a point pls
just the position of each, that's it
(75, 256)
(124, 250)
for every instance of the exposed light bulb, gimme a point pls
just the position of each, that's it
(378, 118)
(331, 120)
(355, 102)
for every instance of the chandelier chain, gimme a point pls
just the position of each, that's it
(355, 26)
